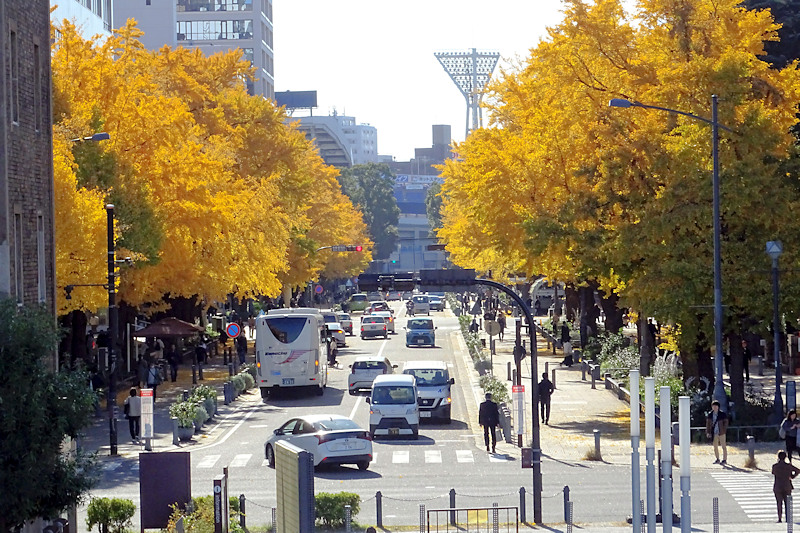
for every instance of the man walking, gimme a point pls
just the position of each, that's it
(489, 418)
(716, 429)
(783, 473)
(133, 411)
(545, 391)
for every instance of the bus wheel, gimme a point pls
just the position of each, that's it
(320, 391)
(264, 393)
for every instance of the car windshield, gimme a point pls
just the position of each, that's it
(369, 365)
(420, 324)
(286, 329)
(420, 299)
(334, 424)
(393, 394)
(429, 376)
(359, 298)
(373, 320)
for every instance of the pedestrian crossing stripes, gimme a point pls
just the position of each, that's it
(208, 461)
(400, 456)
(464, 456)
(241, 460)
(753, 493)
(433, 456)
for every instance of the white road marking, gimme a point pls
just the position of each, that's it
(753, 493)
(240, 460)
(464, 456)
(433, 456)
(400, 456)
(208, 461)
(264, 463)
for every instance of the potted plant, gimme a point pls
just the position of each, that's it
(200, 416)
(207, 396)
(185, 412)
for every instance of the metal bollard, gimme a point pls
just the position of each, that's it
(422, 518)
(230, 369)
(242, 512)
(546, 367)
(584, 364)
(509, 373)
(348, 517)
(591, 369)
(274, 519)
(715, 514)
(175, 439)
(194, 374)
(569, 517)
(379, 509)
(522, 516)
(566, 504)
(554, 378)
(751, 447)
(597, 443)
(452, 506)
(185, 395)
(200, 372)
(225, 398)
(760, 365)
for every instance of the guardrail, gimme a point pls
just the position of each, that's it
(473, 519)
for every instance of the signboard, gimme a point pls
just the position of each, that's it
(492, 327)
(518, 397)
(165, 479)
(221, 504)
(233, 330)
(146, 429)
(527, 457)
(318, 289)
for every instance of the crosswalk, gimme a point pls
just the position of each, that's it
(753, 493)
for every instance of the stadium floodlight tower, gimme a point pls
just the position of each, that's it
(470, 71)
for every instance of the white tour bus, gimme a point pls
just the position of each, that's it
(291, 350)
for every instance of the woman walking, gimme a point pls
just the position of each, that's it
(789, 431)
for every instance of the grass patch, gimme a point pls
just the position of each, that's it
(592, 455)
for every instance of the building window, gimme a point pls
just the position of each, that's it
(211, 30)
(214, 5)
(40, 258)
(37, 89)
(18, 278)
(14, 93)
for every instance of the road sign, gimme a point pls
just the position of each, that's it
(318, 289)
(492, 327)
(146, 421)
(233, 330)
(518, 397)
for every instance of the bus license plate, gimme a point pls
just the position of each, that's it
(425, 414)
(288, 381)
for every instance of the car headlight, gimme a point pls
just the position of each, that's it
(411, 411)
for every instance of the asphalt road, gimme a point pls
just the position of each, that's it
(409, 473)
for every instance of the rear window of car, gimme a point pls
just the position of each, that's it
(343, 317)
(373, 320)
(420, 324)
(420, 299)
(329, 317)
(336, 423)
(369, 365)
(358, 298)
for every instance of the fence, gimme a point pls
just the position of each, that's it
(473, 519)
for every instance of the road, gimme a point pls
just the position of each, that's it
(409, 473)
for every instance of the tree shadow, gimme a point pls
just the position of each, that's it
(614, 426)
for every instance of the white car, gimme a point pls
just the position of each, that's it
(365, 369)
(337, 332)
(389, 318)
(346, 322)
(331, 439)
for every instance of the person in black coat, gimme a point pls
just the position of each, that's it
(489, 418)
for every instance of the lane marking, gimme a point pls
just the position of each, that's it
(400, 456)
(240, 460)
(464, 456)
(433, 456)
(208, 461)
(230, 432)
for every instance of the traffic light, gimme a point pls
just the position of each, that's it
(353, 248)
(347, 248)
(394, 261)
(435, 247)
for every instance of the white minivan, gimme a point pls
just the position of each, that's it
(393, 409)
(433, 387)
(421, 304)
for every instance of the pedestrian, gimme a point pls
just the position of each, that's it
(783, 473)
(546, 389)
(141, 371)
(223, 337)
(489, 418)
(241, 348)
(251, 325)
(174, 360)
(747, 357)
(788, 432)
(565, 338)
(537, 309)
(501, 321)
(133, 412)
(473, 327)
(200, 352)
(153, 378)
(716, 430)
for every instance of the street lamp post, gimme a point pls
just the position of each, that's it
(774, 250)
(719, 389)
(111, 398)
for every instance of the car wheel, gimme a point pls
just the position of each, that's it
(415, 433)
(362, 465)
(320, 391)
(270, 456)
(352, 392)
(429, 313)
(372, 428)
(363, 337)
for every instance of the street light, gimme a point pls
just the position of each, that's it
(101, 136)
(774, 250)
(719, 390)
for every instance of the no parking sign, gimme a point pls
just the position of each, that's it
(233, 330)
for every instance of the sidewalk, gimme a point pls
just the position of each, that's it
(577, 410)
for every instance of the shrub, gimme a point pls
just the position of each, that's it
(250, 368)
(200, 415)
(329, 507)
(238, 383)
(111, 515)
(185, 412)
(249, 381)
(199, 517)
(203, 392)
(495, 387)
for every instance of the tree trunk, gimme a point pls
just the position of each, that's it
(647, 347)
(588, 323)
(613, 313)
(736, 370)
(572, 302)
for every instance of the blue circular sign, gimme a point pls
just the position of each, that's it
(233, 330)
(318, 289)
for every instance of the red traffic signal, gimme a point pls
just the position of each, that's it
(354, 248)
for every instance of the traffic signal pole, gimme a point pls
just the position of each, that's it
(535, 441)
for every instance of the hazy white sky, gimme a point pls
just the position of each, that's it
(373, 59)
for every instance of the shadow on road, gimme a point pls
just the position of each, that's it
(341, 473)
(615, 426)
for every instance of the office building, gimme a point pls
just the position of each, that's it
(27, 255)
(212, 26)
(340, 140)
(91, 17)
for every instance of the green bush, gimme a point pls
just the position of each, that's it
(329, 507)
(203, 392)
(201, 415)
(111, 515)
(249, 381)
(238, 383)
(250, 368)
(185, 412)
(495, 387)
(199, 517)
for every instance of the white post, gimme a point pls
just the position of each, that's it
(636, 488)
(666, 461)
(650, 449)
(684, 422)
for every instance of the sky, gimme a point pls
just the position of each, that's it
(373, 59)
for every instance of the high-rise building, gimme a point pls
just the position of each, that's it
(341, 141)
(92, 17)
(27, 254)
(212, 26)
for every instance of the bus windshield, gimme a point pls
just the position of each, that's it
(286, 329)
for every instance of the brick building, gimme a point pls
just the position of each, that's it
(27, 254)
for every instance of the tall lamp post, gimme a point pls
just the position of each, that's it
(719, 389)
(774, 250)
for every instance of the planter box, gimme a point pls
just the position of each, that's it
(185, 434)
